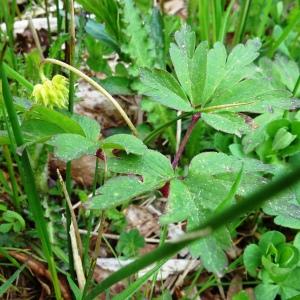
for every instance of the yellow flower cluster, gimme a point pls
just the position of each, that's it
(52, 92)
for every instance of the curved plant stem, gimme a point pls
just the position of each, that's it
(97, 87)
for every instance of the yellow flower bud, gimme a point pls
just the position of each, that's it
(52, 92)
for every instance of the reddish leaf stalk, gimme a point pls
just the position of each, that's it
(183, 143)
(166, 188)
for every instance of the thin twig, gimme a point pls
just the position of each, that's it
(73, 217)
(35, 37)
(97, 87)
(77, 258)
(116, 236)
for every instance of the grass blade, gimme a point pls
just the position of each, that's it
(5, 286)
(284, 34)
(238, 35)
(35, 206)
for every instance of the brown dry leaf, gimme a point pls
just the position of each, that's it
(83, 169)
(143, 220)
(40, 270)
(175, 7)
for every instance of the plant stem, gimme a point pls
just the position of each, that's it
(29, 184)
(185, 139)
(98, 240)
(90, 221)
(97, 87)
(73, 217)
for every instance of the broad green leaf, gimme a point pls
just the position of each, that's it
(216, 60)
(189, 64)
(282, 139)
(256, 136)
(39, 118)
(225, 74)
(285, 208)
(227, 122)
(151, 164)
(252, 259)
(90, 127)
(153, 170)
(126, 142)
(270, 237)
(72, 146)
(119, 190)
(162, 87)
(178, 203)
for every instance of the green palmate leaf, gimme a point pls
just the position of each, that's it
(130, 242)
(140, 46)
(163, 87)
(217, 221)
(227, 122)
(223, 73)
(202, 193)
(126, 142)
(72, 146)
(154, 171)
(189, 64)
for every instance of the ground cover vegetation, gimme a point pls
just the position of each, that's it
(197, 164)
